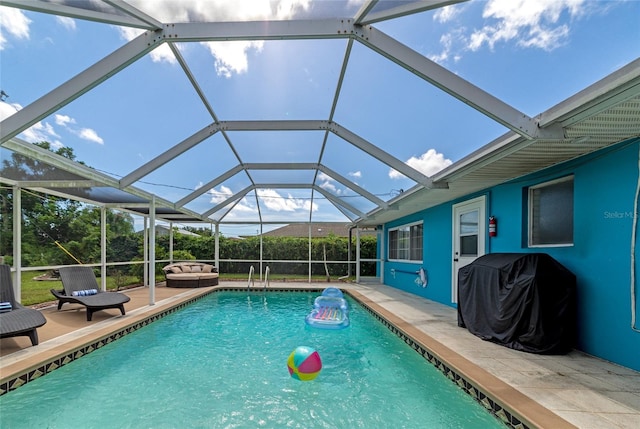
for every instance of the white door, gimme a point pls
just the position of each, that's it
(469, 222)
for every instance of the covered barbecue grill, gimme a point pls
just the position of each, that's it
(524, 301)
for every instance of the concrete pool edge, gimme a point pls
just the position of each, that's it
(32, 363)
(57, 353)
(510, 405)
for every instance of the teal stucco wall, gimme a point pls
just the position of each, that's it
(604, 191)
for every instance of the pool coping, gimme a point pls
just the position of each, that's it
(34, 365)
(508, 404)
(511, 406)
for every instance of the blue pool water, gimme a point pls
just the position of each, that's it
(222, 363)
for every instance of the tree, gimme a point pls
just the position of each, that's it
(54, 228)
(46, 218)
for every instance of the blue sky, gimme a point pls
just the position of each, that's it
(531, 54)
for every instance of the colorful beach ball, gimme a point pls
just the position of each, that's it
(304, 363)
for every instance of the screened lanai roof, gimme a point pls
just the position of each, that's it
(252, 112)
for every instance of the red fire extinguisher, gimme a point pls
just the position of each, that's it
(493, 226)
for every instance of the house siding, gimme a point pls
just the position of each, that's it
(604, 192)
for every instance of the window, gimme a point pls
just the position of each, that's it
(405, 242)
(551, 213)
(469, 230)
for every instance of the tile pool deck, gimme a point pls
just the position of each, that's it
(574, 390)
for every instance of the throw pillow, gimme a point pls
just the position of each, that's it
(84, 292)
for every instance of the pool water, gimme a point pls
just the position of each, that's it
(222, 363)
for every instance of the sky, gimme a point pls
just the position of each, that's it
(531, 54)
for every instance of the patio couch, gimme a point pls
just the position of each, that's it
(190, 274)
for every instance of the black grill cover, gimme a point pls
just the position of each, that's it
(524, 301)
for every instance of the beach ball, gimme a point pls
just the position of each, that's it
(304, 363)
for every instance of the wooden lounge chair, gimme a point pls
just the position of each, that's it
(77, 280)
(16, 320)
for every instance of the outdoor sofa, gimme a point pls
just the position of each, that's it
(81, 287)
(16, 320)
(190, 274)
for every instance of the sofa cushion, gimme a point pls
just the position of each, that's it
(175, 270)
(208, 275)
(206, 268)
(182, 276)
(196, 268)
(186, 268)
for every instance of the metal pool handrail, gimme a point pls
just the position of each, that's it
(266, 277)
(251, 280)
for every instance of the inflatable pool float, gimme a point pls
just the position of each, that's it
(330, 311)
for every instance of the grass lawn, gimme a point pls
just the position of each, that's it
(38, 291)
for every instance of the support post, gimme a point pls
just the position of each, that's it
(381, 254)
(17, 242)
(103, 249)
(217, 247)
(145, 251)
(309, 252)
(171, 242)
(358, 255)
(152, 252)
(260, 265)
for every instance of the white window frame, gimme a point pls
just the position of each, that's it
(530, 207)
(407, 249)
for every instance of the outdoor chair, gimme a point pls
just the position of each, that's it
(16, 320)
(81, 287)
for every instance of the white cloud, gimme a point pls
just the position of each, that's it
(530, 23)
(37, 132)
(327, 183)
(272, 200)
(40, 131)
(219, 196)
(160, 54)
(66, 22)
(64, 120)
(286, 9)
(356, 174)
(446, 42)
(223, 194)
(89, 134)
(329, 186)
(229, 57)
(48, 129)
(56, 144)
(446, 14)
(269, 199)
(429, 163)
(13, 22)
(539, 24)
(8, 109)
(322, 177)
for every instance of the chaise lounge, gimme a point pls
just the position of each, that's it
(81, 287)
(16, 320)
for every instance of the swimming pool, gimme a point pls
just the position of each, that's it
(221, 362)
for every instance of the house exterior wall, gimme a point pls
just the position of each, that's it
(604, 191)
